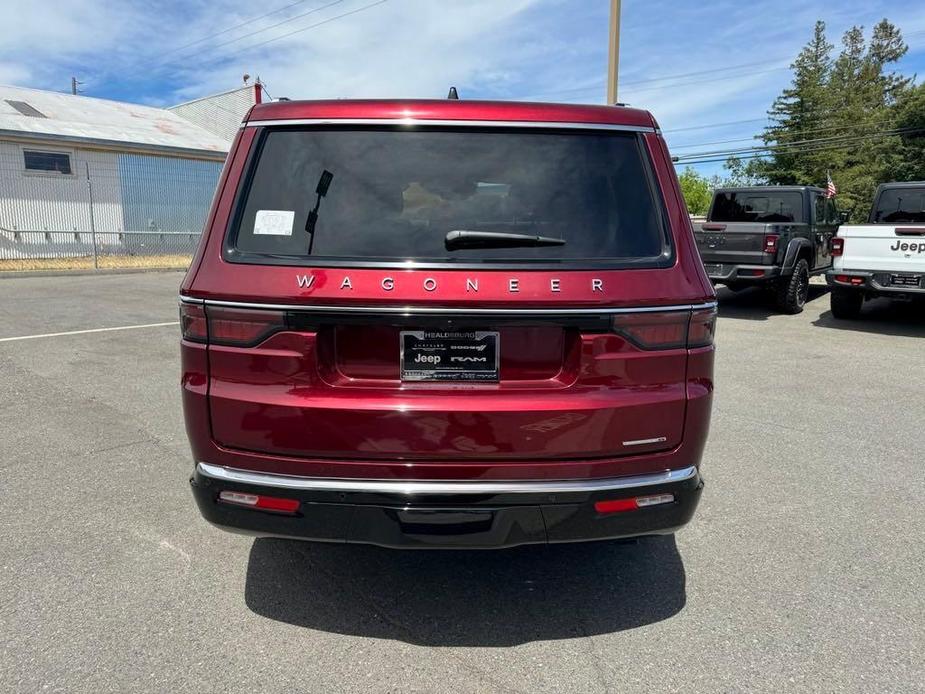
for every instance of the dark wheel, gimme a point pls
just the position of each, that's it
(792, 291)
(846, 304)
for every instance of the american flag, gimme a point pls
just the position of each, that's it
(830, 190)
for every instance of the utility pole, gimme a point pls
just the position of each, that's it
(614, 63)
(74, 84)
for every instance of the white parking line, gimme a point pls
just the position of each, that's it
(85, 332)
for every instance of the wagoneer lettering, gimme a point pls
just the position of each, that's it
(487, 319)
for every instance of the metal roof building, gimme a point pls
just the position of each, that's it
(221, 114)
(71, 165)
(51, 116)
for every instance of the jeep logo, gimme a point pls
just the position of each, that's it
(907, 247)
(427, 359)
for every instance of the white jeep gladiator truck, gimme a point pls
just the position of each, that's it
(886, 256)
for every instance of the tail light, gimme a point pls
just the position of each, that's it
(667, 329)
(193, 325)
(838, 246)
(702, 328)
(849, 279)
(229, 326)
(770, 243)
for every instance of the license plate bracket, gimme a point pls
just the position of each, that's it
(432, 355)
(905, 280)
(714, 269)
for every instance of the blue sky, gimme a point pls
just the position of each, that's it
(678, 57)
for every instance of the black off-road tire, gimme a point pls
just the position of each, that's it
(792, 292)
(846, 304)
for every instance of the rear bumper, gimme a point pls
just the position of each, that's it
(875, 283)
(447, 514)
(723, 273)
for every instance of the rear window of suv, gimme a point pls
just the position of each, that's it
(730, 206)
(900, 206)
(393, 195)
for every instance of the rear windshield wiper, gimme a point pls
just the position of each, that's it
(464, 238)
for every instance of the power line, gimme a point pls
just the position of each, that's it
(230, 29)
(768, 116)
(317, 24)
(805, 150)
(268, 28)
(799, 132)
(714, 125)
(785, 146)
(656, 87)
(195, 54)
(682, 75)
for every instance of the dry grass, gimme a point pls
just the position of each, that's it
(107, 262)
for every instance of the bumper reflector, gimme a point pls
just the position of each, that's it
(265, 503)
(619, 505)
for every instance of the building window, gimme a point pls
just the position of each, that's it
(48, 162)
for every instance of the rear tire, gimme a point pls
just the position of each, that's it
(793, 291)
(846, 304)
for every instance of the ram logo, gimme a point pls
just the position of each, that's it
(469, 359)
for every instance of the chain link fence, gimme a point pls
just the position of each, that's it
(102, 210)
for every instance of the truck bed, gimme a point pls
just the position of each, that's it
(882, 248)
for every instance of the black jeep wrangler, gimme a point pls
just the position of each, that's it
(773, 236)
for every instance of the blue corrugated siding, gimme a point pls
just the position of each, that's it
(166, 193)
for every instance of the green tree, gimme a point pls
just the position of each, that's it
(839, 116)
(910, 121)
(798, 114)
(697, 191)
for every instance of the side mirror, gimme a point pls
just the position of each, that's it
(844, 216)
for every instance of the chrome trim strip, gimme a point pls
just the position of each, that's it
(438, 310)
(642, 442)
(404, 488)
(444, 123)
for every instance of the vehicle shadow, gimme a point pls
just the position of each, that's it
(882, 317)
(755, 304)
(465, 598)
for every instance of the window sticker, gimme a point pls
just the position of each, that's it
(274, 222)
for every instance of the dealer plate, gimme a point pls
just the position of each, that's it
(714, 269)
(905, 280)
(449, 356)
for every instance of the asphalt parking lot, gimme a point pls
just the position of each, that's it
(803, 570)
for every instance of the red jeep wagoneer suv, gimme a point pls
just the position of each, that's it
(447, 324)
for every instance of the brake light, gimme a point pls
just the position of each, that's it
(259, 501)
(770, 243)
(242, 327)
(838, 246)
(193, 323)
(848, 279)
(667, 329)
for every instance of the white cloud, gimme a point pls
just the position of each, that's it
(400, 48)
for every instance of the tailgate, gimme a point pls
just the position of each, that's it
(332, 387)
(736, 243)
(883, 247)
